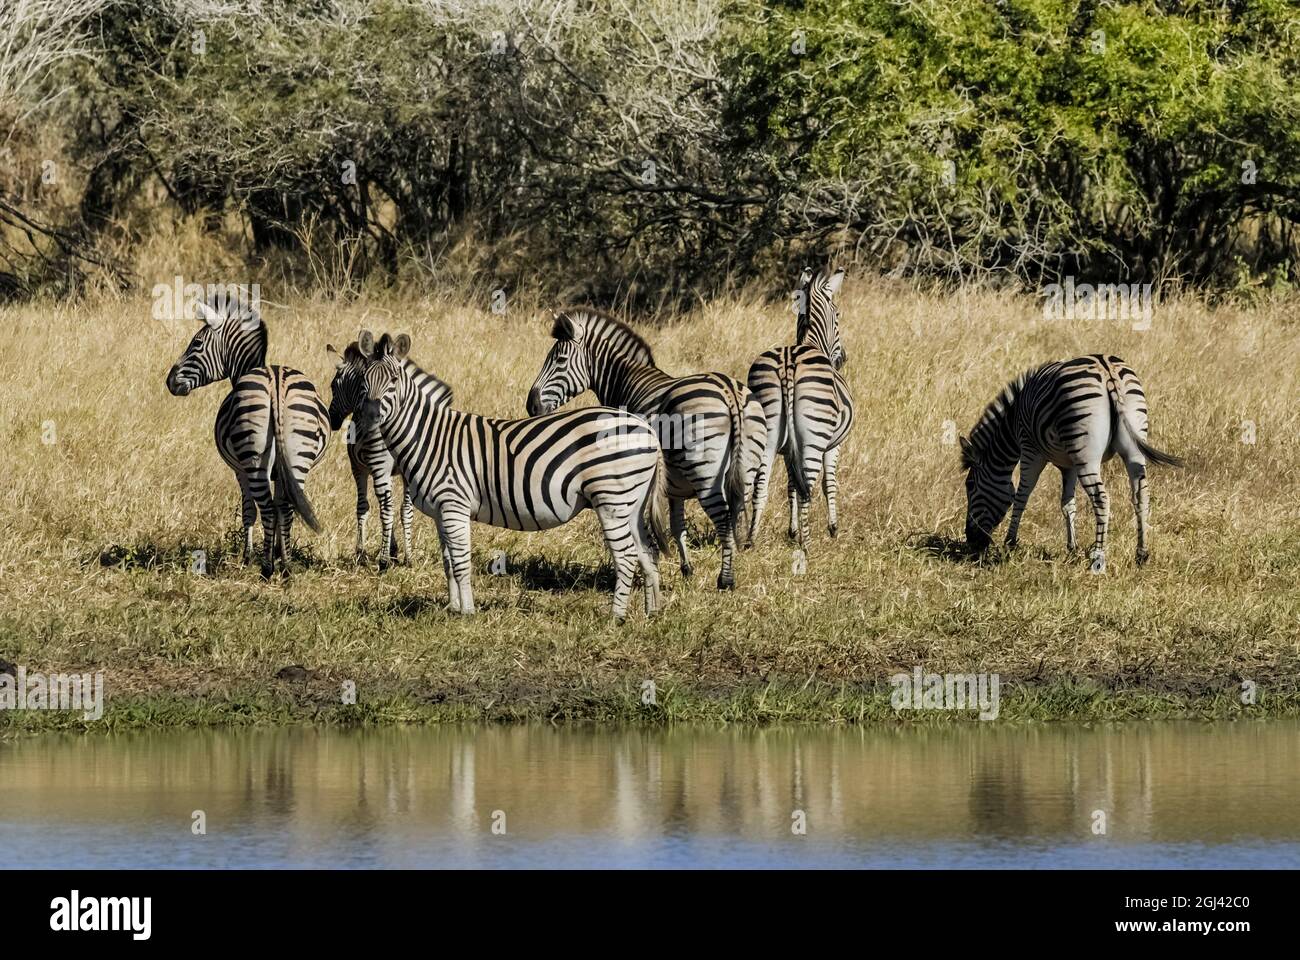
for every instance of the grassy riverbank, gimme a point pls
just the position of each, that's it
(111, 483)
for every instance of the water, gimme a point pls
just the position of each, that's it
(977, 796)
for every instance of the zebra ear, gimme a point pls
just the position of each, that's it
(366, 344)
(402, 346)
(205, 313)
(968, 460)
(333, 352)
(805, 277)
(563, 328)
(834, 281)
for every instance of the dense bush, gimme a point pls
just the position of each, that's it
(660, 147)
(1143, 140)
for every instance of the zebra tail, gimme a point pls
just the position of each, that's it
(284, 477)
(737, 494)
(658, 505)
(793, 450)
(1148, 451)
(1158, 456)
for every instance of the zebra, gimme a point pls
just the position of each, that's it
(369, 457)
(807, 405)
(1076, 414)
(531, 474)
(272, 427)
(711, 428)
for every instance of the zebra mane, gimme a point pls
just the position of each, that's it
(606, 327)
(427, 383)
(994, 415)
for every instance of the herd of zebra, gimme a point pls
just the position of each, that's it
(654, 442)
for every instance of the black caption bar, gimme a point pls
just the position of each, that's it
(335, 909)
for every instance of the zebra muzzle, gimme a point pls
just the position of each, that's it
(177, 387)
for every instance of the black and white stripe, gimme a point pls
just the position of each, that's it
(529, 474)
(807, 405)
(271, 429)
(369, 457)
(711, 428)
(1075, 414)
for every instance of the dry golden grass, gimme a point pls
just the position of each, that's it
(133, 472)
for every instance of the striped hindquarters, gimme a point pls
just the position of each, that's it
(274, 426)
(806, 402)
(712, 432)
(1065, 412)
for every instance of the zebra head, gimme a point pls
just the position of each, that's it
(231, 342)
(382, 372)
(819, 317)
(989, 493)
(348, 388)
(564, 372)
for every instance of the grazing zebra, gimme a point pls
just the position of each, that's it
(807, 405)
(272, 428)
(1076, 414)
(710, 427)
(368, 454)
(520, 474)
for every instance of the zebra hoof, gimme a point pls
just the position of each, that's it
(1142, 557)
(1012, 543)
(688, 571)
(834, 530)
(384, 564)
(726, 584)
(268, 571)
(360, 558)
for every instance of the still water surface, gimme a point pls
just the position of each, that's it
(977, 796)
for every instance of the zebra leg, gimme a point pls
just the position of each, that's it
(830, 486)
(453, 592)
(649, 556)
(1137, 478)
(1029, 473)
(1069, 478)
(760, 488)
(793, 531)
(362, 478)
(408, 519)
(286, 529)
(720, 515)
(677, 519)
(247, 517)
(1090, 477)
(388, 542)
(266, 507)
(621, 540)
(455, 519)
(363, 510)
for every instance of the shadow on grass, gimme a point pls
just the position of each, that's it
(408, 606)
(538, 573)
(952, 550)
(199, 559)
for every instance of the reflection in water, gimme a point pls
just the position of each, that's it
(977, 795)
